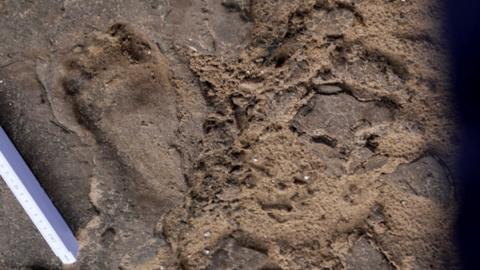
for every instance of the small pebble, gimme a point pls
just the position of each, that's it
(207, 234)
(254, 159)
(1, 81)
(77, 49)
(192, 48)
(306, 177)
(206, 252)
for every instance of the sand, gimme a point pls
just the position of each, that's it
(232, 134)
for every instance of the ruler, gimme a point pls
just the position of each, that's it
(23, 184)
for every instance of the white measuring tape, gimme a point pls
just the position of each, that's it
(35, 202)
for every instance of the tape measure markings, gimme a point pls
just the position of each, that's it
(39, 217)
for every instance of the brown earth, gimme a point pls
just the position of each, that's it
(232, 134)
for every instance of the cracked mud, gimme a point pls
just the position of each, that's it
(233, 134)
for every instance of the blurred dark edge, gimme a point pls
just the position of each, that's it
(463, 32)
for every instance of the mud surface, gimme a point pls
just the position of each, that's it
(234, 134)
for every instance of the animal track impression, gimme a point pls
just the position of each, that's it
(119, 84)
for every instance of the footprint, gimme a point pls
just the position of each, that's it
(119, 85)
